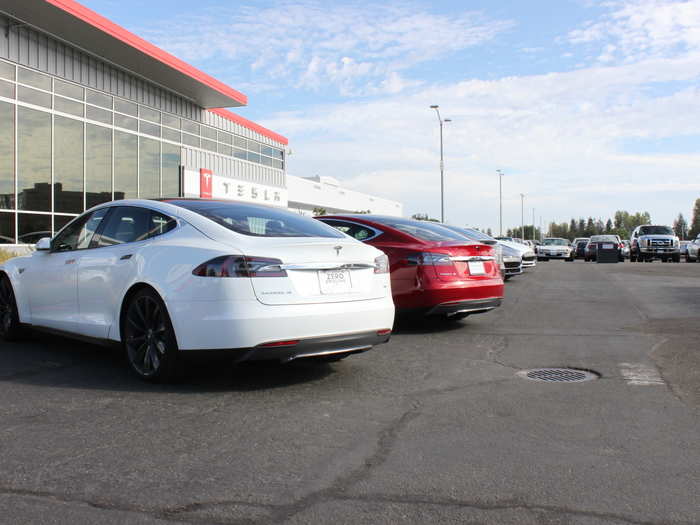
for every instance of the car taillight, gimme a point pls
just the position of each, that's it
(381, 264)
(240, 266)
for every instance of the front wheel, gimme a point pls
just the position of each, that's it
(10, 328)
(676, 257)
(149, 338)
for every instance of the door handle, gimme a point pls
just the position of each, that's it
(125, 257)
(70, 261)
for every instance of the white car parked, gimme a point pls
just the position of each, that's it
(168, 278)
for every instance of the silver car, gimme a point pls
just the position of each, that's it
(693, 251)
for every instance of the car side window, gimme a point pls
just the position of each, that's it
(160, 224)
(79, 234)
(357, 231)
(126, 224)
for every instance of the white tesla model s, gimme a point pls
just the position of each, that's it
(168, 278)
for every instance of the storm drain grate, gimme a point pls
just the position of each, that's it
(558, 375)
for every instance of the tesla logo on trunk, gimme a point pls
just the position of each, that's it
(337, 249)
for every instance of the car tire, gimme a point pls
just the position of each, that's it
(10, 327)
(149, 338)
(676, 258)
(507, 278)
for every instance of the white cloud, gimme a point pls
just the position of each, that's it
(360, 48)
(638, 29)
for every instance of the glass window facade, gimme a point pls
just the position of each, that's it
(65, 148)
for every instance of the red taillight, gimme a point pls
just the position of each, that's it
(240, 266)
(281, 343)
(386, 331)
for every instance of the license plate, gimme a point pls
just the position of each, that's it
(476, 268)
(334, 281)
(608, 247)
(659, 250)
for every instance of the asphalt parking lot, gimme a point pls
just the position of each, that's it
(436, 426)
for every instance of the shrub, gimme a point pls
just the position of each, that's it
(5, 255)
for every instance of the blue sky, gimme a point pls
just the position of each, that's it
(588, 107)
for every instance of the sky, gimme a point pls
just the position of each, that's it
(586, 106)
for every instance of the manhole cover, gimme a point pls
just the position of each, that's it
(558, 375)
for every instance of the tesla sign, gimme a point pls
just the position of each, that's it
(208, 185)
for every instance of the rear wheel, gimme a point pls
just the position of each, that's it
(10, 328)
(676, 257)
(149, 338)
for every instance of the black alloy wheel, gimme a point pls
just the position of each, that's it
(149, 338)
(10, 328)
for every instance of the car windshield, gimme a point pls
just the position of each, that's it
(655, 230)
(604, 238)
(423, 230)
(556, 242)
(258, 221)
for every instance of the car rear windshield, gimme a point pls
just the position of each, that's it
(556, 242)
(604, 238)
(258, 221)
(423, 230)
(655, 230)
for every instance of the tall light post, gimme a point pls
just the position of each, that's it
(533, 224)
(500, 203)
(442, 163)
(522, 215)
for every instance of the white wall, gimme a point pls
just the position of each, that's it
(305, 194)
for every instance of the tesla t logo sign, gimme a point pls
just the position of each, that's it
(337, 249)
(205, 183)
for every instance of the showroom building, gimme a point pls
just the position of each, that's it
(89, 112)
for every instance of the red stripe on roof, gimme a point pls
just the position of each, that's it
(250, 125)
(99, 22)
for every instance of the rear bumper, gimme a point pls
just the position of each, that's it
(327, 346)
(474, 306)
(212, 325)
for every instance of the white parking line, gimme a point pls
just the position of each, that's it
(640, 374)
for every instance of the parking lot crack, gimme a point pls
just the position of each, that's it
(506, 505)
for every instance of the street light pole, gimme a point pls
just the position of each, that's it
(533, 224)
(500, 203)
(522, 215)
(442, 164)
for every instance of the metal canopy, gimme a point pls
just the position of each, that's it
(73, 23)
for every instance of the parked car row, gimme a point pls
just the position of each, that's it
(177, 277)
(648, 242)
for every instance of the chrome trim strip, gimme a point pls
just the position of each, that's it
(329, 352)
(327, 266)
(472, 258)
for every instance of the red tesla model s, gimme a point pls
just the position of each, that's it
(434, 270)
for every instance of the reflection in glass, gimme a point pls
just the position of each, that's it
(32, 78)
(123, 106)
(99, 99)
(98, 165)
(126, 122)
(68, 165)
(7, 70)
(7, 228)
(33, 159)
(32, 96)
(68, 90)
(126, 165)
(171, 170)
(100, 115)
(59, 221)
(169, 120)
(149, 168)
(32, 227)
(65, 105)
(149, 114)
(7, 89)
(7, 156)
(190, 127)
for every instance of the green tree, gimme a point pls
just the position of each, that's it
(608, 226)
(488, 232)
(573, 228)
(694, 230)
(320, 211)
(680, 227)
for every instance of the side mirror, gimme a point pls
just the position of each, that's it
(44, 244)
